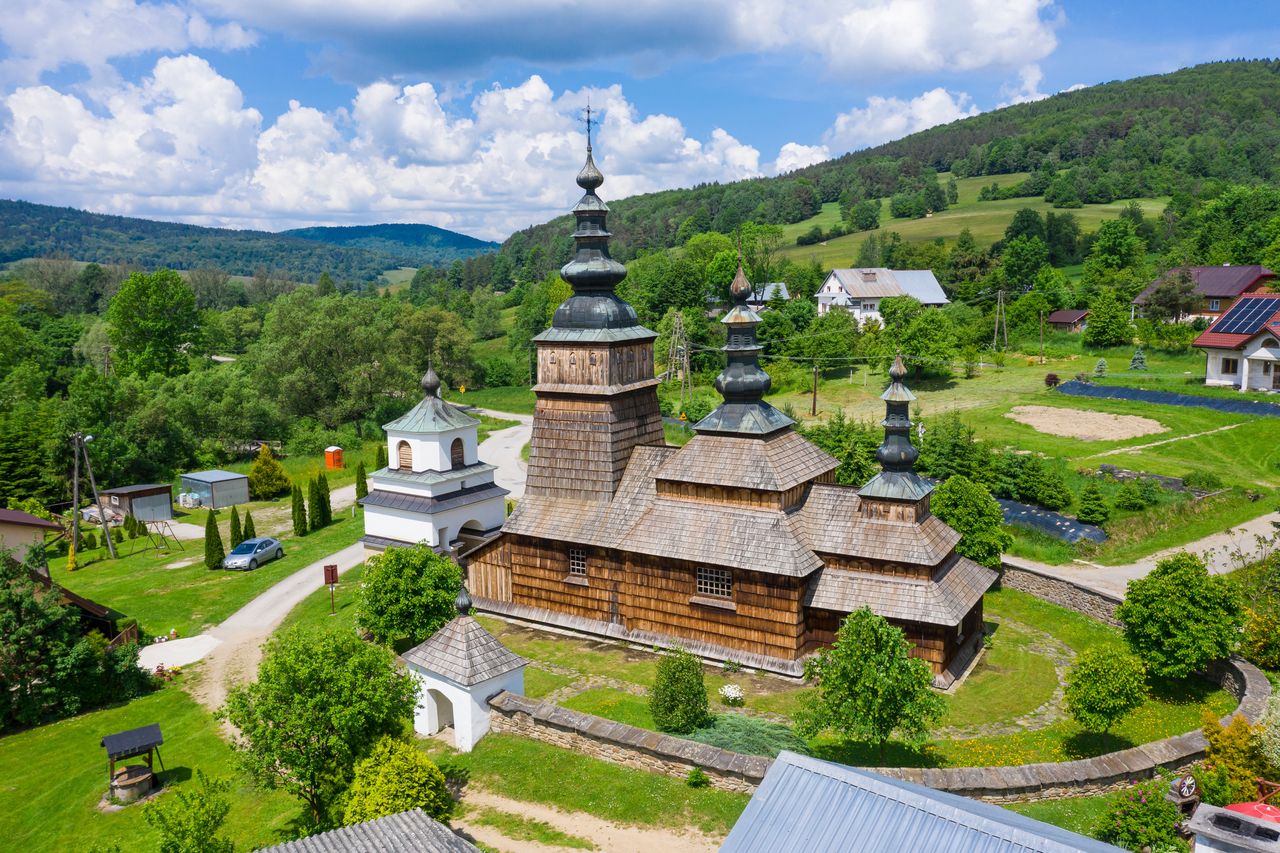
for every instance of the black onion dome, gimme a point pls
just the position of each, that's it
(463, 601)
(592, 273)
(431, 382)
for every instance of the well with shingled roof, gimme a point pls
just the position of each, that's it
(738, 546)
(458, 670)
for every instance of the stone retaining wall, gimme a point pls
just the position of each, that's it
(1091, 602)
(623, 744)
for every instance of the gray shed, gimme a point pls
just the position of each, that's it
(145, 502)
(217, 489)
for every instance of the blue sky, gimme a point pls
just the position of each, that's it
(278, 113)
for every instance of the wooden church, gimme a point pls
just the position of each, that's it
(738, 546)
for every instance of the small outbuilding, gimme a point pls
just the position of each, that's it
(146, 502)
(21, 531)
(1068, 319)
(133, 781)
(216, 489)
(333, 457)
(458, 670)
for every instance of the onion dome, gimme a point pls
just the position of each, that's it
(743, 383)
(463, 601)
(431, 383)
(897, 479)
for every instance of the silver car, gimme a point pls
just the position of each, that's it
(251, 553)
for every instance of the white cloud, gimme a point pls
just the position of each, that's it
(1076, 87)
(1027, 90)
(46, 35)
(794, 156)
(851, 37)
(885, 119)
(182, 145)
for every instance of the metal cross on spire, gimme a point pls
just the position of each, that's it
(589, 121)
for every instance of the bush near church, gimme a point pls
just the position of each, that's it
(678, 699)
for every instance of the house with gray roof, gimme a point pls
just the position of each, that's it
(859, 291)
(817, 806)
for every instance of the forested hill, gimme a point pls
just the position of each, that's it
(414, 245)
(1146, 137)
(348, 254)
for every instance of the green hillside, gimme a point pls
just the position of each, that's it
(413, 245)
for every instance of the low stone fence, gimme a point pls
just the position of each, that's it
(1108, 772)
(623, 744)
(1091, 602)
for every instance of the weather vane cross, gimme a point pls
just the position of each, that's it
(589, 121)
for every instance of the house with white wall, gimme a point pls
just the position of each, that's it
(1242, 347)
(859, 291)
(434, 490)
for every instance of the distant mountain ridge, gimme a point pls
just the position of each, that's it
(355, 253)
(417, 244)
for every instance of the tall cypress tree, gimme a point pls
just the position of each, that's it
(381, 459)
(315, 516)
(299, 512)
(235, 537)
(326, 506)
(362, 484)
(213, 552)
(249, 532)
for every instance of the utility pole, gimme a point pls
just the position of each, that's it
(678, 359)
(813, 406)
(1042, 336)
(1000, 319)
(102, 513)
(75, 491)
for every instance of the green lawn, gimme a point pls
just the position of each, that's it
(54, 776)
(301, 469)
(520, 828)
(514, 398)
(1077, 814)
(151, 587)
(613, 705)
(986, 220)
(314, 609)
(1010, 680)
(538, 682)
(490, 424)
(533, 771)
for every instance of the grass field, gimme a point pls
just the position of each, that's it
(153, 588)
(985, 219)
(54, 776)
(1077, 814)
(517, 399)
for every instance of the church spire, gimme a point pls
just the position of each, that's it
(742, 382)
(897, 479)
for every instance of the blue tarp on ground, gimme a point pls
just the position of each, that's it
(1055, 524)
(1075, 388)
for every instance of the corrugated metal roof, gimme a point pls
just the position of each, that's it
(141, 489)
(880, 283)
(406, 832)
(922, 284)
(26, 519)
(428, 478)
(214, 476)
(1067, 315)
(805, 804)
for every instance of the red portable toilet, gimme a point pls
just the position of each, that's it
(333, 457)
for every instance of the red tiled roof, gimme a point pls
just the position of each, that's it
(26, 519)
(1214, 282)
(1067, 315)
(1222, 340)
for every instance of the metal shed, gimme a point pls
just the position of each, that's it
(146, 502)
(217, 489)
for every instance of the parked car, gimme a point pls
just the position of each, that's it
(251, 553)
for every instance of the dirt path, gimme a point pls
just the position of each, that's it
(607, 836)
(1120, 450)
(234, 658)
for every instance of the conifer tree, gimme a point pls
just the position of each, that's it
(315, 516)
(1093, 506)
(213, 552)
(299, 512)
(235, 537)
(249, 532)
(1139, 360)
(1100, 369)
(381, 460)
(362, 485)
(267, 477)
(326, 506)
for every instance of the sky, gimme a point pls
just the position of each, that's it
(466, 114)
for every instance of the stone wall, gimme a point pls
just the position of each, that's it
(623, 744)
(659, 753)
(1090, 602)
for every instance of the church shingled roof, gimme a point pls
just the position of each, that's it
(464, 652)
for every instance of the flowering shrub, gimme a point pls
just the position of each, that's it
(1140, 816)
(731, 694)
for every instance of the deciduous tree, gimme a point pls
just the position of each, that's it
(407, 594)
(970, 510)
(394, 778)
(188, 821)
(678, 699)
(1103, 686)
(153, 319)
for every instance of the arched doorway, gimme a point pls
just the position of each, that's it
(436, 710)
(404, 456)
(457, 454)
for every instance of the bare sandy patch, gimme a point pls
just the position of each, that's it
(1083, 424)
(191, 561)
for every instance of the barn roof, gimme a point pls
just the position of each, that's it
(463, 651)
(808, 804)
(1068, 315)
(406, 832)
(214, 476)
(1212, 282)
(26, 519)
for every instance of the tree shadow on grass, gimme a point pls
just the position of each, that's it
(1091, 744)
(863, 754)
(1193, 690)
(456, 776)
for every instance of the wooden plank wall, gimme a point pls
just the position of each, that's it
(879, 567)
(489, 571)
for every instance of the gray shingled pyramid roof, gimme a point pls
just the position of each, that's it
(464, 652)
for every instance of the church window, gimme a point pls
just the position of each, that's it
(578, 562)
(457, 457)
(593, 359)
(552, 358)
(573, 359)
(715, 582)
(404, 456)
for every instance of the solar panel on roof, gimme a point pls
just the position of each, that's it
(1247, 316)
